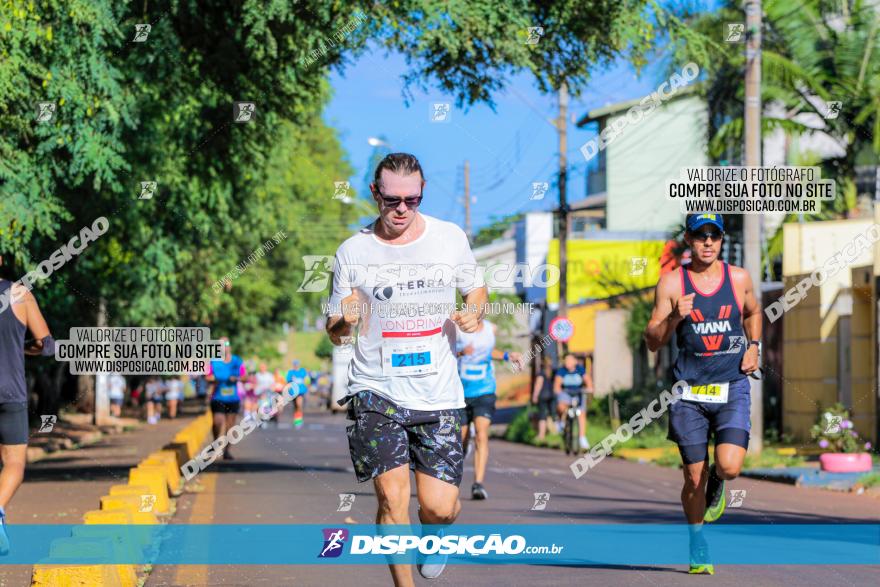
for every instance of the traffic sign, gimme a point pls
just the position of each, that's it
(561, 329)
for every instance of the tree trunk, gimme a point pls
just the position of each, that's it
(48, 387)
(85, 394)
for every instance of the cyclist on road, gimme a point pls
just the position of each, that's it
(225, 402)
(404, 395)
(475, 354)
(300, 379)
(712, 309)
(572, 382)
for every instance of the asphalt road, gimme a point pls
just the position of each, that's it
(282, 475)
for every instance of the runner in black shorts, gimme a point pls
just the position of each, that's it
(19, 313)
(712, 309)
(225, 400)
(404, 395)
(543, 397)
(476, 350)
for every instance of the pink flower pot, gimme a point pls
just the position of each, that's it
(841, 462)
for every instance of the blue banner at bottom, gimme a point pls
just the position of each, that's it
(578, 545)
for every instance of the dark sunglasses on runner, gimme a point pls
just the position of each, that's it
(700, 236)
(394, 201)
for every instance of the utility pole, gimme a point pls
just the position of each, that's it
(467, 199)
(562, 130)
(752, 222)
(102, 391)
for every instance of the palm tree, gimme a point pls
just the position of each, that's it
(815, 53)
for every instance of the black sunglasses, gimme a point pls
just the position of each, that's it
(394, 201)
(700, 236)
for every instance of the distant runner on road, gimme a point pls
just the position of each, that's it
(712, 309)
(264, 386)
(117, 385)
(475, 353)
(225, 401)
(300, 379)
(404, 393)
(19, 313)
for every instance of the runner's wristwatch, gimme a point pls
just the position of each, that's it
(760, 346)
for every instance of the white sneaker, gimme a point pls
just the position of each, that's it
(433, 564)
(585, 444)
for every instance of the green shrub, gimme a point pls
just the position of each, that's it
(324, 350)
(870, 480)
(630, 402)
(520, 428)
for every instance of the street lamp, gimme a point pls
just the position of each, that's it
(377, 142)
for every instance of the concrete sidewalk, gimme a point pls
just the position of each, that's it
(62, 486)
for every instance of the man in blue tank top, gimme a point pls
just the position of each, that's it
(712, 309)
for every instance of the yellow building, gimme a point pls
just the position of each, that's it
(830, 334)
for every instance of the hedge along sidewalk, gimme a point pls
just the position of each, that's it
(63, 486)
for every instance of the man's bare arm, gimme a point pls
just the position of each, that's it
(36, 324)
(669, 311)
(469, 318)
(341, 326)
(752, 319)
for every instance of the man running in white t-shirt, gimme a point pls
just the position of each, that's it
(404, 393)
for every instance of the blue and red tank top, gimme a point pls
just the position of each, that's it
(711, 341)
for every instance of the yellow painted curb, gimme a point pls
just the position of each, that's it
(122, 549)
(83, 575)
(645, 454)
(154, 478)
(168, 458)
(129, 490)
(187, 438)
(130, 502)
(81, 547)
(116, 517)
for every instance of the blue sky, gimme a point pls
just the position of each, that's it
(514, 141)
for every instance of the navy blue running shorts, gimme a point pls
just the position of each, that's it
(13, 423)
(691, 424)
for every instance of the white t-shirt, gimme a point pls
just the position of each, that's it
(175, 389)
(406, 341)
(476, 370)
(117, 386)
(265, 381)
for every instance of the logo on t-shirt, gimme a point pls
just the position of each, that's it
(383, 293)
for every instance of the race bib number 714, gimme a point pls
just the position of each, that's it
(711, 393)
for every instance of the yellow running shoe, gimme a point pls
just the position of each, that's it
(701, 570)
